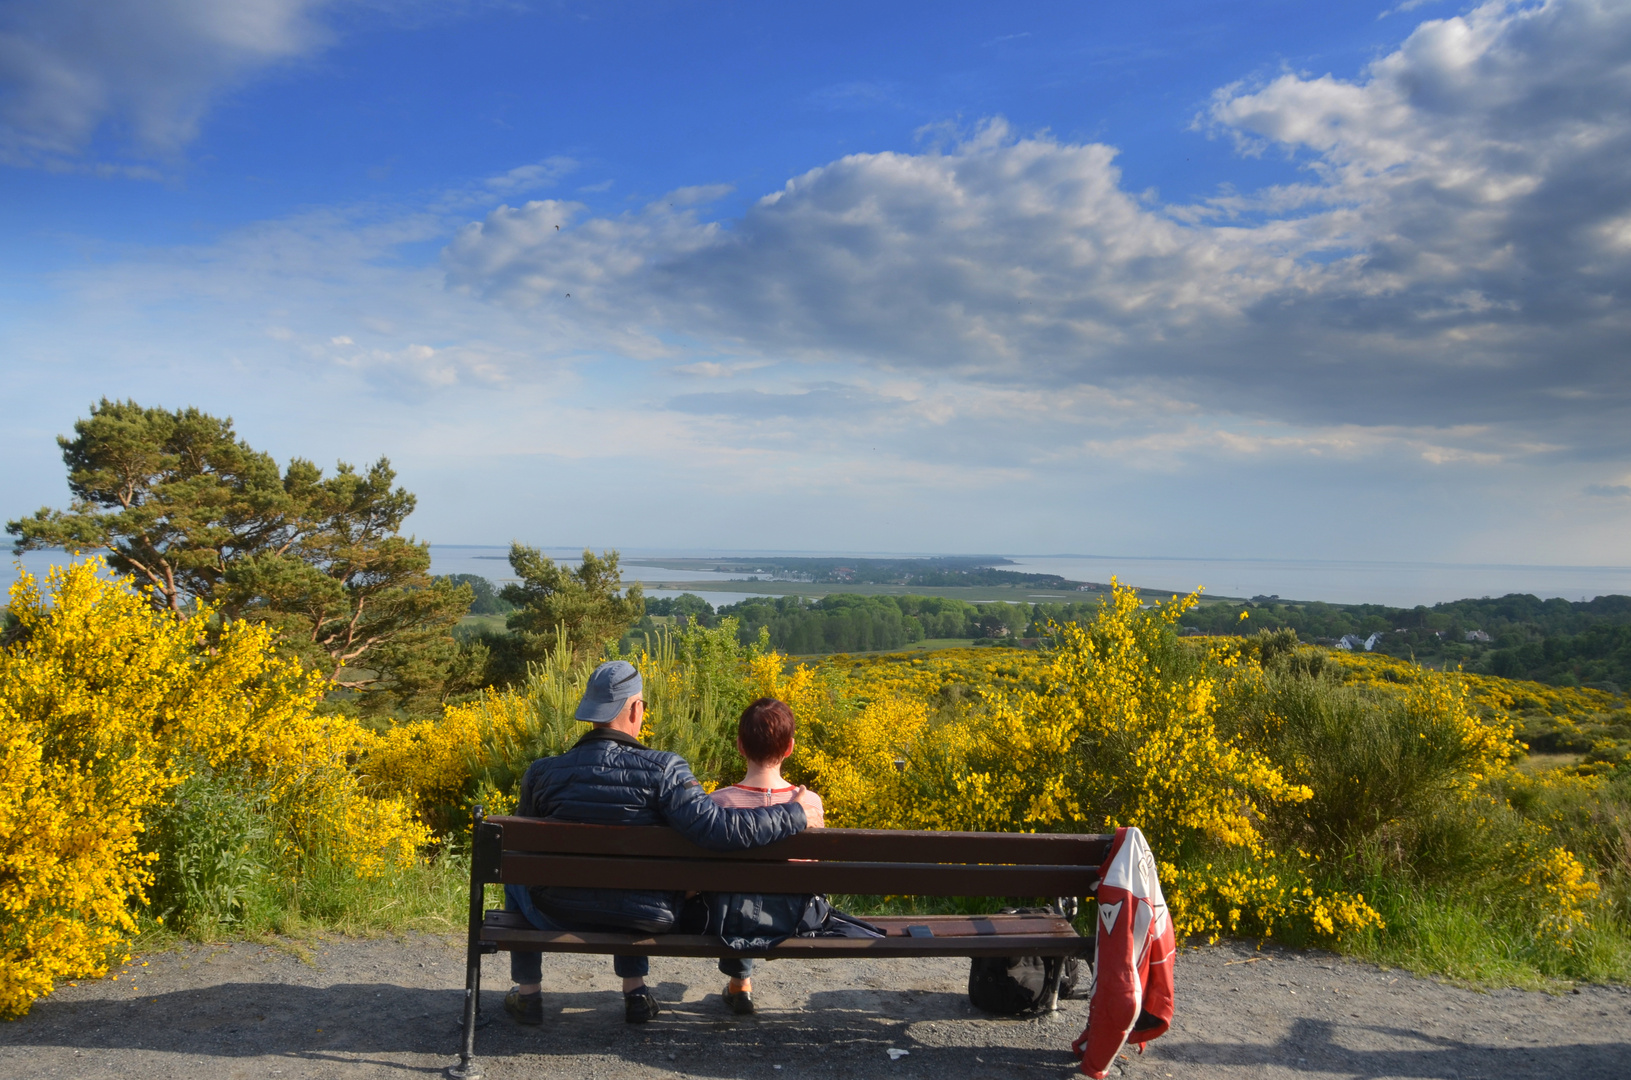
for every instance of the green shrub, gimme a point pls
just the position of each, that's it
(1375, 761)
(211, 849)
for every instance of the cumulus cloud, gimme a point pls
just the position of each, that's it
(1004, 251)
(1457, 259)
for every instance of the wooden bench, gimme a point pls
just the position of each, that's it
(527, 851)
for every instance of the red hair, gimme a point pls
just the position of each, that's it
(765, 731)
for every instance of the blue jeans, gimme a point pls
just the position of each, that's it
(527, 968)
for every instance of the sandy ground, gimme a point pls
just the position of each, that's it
(387, 1008)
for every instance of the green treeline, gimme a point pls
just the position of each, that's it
(486, 600)
(1562, 642)
(846, 622)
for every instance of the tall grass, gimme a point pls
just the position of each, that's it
(693, 687)
(219, 875)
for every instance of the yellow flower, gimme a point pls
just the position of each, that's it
(105, 705)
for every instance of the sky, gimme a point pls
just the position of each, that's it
(1180, 279)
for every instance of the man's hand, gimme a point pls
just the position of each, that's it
(813, 814)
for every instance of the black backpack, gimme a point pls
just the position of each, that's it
(758, 921)
(1014, 985)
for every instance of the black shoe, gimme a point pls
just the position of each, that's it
(640, 1006)
(740, 1001)
(526, 1008)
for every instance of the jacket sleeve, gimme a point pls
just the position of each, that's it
(529, 782)
(689, 811)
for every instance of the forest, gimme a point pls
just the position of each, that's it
(1519, 636)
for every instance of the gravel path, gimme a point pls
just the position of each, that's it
(386, 1008)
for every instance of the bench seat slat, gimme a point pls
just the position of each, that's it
(954, 935)
(862, 845)
(710, 875)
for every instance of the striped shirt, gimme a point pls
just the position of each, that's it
(741, 797)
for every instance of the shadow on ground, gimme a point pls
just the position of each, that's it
(1318, 1045)
(416, 1030)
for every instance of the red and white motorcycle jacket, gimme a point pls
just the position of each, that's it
(1132, 974)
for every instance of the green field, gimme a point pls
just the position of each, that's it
(928, 645)
(474, 624)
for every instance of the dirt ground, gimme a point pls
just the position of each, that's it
(387, 1008)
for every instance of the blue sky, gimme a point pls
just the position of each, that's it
(1188, 279)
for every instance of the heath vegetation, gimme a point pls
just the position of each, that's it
(255, 718)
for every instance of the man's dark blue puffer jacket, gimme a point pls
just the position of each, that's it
(608, 778)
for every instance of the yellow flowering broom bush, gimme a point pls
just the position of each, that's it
(105, 706)
(1115, 724)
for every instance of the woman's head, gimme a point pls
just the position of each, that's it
(765, 731)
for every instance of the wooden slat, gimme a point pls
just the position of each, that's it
(893, 879)
(973, 925)
(861, 845)
(583, 941)
(942, 926)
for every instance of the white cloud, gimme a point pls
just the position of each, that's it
(1456, 256)
(711, 369)
(1407, 5)
(1004, 253)
(143, 73)
(540, 174)
(147, 68)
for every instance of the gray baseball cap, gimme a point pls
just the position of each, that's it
(612, 684)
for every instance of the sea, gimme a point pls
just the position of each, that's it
(1397, 584)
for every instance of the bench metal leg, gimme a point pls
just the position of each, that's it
(1053, 971)
(1053, 967)
(467, 1068)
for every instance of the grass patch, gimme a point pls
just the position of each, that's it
(926, 645)
(1535, 763)
(431, 897)
(1484, 944)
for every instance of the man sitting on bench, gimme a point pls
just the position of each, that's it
(609, 778)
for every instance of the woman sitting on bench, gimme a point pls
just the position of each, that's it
(764, 737)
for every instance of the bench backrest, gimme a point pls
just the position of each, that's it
(527, 851)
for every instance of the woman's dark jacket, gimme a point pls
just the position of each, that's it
(609, 778)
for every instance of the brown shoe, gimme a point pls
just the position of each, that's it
(526, 1008)
(640, 1006)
